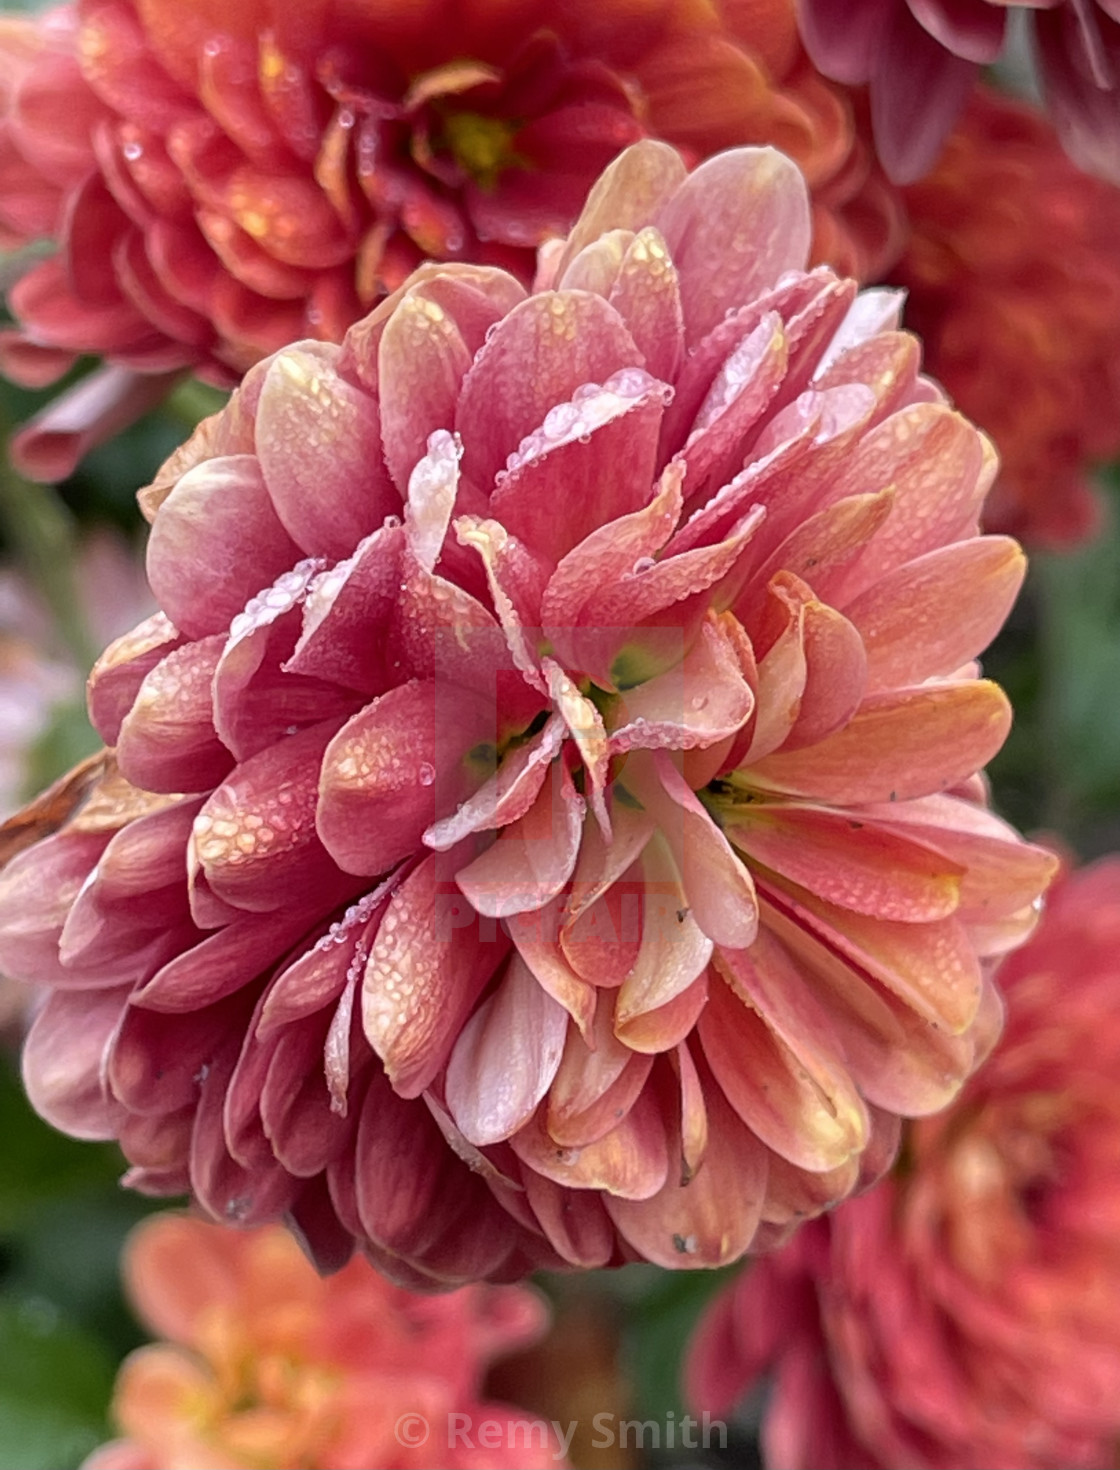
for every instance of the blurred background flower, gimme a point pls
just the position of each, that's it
(223, 180)
(968, 1311)
(1013, 274)
(922, 58)
(268, 1364)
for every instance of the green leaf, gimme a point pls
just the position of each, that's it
(55, 1385)
(660, 1320)
(1059, 660)
(38, 1165)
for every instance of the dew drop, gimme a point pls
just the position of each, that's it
(426, 773)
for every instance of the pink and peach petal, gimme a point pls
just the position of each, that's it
(536, 939)
(225, 961)
(340, 605)
(898, 1061)
(900, 745)
(432, 488)
(590, 461)
(167, 741)
(646, 293)
(748, 208)
(717, 885)
(63, 1062)
(426, 968)
(422, 360)
(699, 703)
(257, 702)
(626, 195)
(1002, 874)
(930, 966)
(534, 855)
(630, 1162)
(711, 1219)
(538, 355)
(305, 407)
(393, 768)
(901, 616)
(57, 868)
(216, 543)
(117, 675)
(674, 950)
(847, 859)
(506, 795)
(938, 467)
(585, 725)
(799, 1103)
(668, 1025)
(255, 837)
(694, 1113)
(505, 1058)
(597, 1083)
(739, 395)
(609, 554)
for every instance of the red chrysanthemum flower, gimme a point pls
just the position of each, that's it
(966, 1312)
(586, 859)
(922, 57)
(223, 179)
(1014, 280)
(267, 1364)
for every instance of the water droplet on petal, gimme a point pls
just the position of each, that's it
(426, 773)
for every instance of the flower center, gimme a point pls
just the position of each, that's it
(483, 147)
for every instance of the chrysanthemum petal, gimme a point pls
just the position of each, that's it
(896, 747)
(505, 1058)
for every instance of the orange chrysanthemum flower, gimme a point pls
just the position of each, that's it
(267, 1364)
(965, 1312)
(224, 179)
(1014, 280)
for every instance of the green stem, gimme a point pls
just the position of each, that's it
(193, 401)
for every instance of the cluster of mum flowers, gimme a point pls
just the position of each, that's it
(543, 824)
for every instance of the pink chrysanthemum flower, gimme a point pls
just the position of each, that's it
(585, 857)
(221, 179)
(922, 58)
(966, 1311)
(1012, 275)
(264, 1363)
